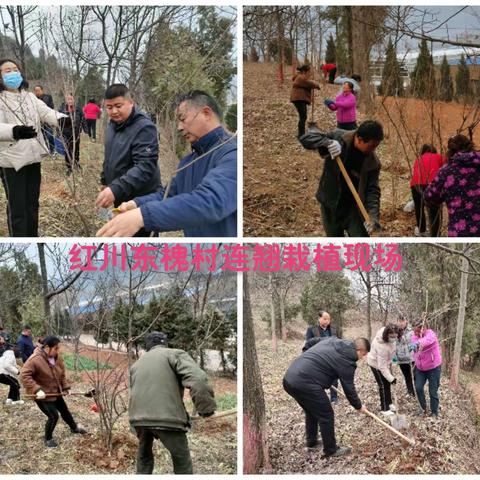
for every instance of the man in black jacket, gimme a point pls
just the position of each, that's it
(46, 129)
(315, 370)
(356, 150)
(315, 333)
(130, 167)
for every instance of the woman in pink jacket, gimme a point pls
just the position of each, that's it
(379, 359)
(428, 366)
(346, 107)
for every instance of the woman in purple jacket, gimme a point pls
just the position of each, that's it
(428, 366)
(345, 105)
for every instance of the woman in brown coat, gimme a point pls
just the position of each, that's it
(43, 375)
(301, 95)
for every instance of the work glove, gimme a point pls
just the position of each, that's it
(205, 415)
(22, 132)
(413, 347)
(334, 148)
(65, 123)
(330, 104)
(40, 395)
(372, 226)
(394, 381)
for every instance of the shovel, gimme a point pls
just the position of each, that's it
(91, 393)
(381, 422)
(398, 421)
(225, 413)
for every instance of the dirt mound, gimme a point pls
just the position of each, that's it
(281, 178)
(440, 444)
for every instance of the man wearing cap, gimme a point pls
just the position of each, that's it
(156, 411)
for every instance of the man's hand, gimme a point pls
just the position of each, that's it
(105, 198)
(123, 225)
(334, 148)
(205, 415)
(40, 395)
(362, 409)
(23, 132)
(414, 347)
(372, 226)
(126, 206)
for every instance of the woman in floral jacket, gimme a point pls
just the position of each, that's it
(458, 185)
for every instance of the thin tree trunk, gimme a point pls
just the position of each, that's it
(457, 353)
(46, 298)
(272, 315)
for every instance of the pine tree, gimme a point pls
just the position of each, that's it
(462, 79)
(330, 50)
(423, 76)
(446, 83)
(392, 84)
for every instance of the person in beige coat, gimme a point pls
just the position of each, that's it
(21, 147)
(380, 360)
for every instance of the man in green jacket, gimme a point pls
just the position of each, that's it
(157, 381)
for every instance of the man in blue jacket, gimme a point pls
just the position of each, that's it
(25, 343)
(130, 167)
(202, 198)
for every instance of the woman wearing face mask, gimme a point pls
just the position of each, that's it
(21, 147)
(43, 375)
(380, 359)
(428, 366)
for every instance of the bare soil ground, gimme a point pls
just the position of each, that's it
(67, 204)
(213, 443)
(440, 445)
(281, 178)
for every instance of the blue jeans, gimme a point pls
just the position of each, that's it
(433, 377)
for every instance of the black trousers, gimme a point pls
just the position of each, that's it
(22, 189)
(407, 371)
(434, 213)
(72, 150)
(12, 382)
(92, 127)
(174, 441)
(336, 226)
(301, 107)
(347, 125)
(52, 411)
(384, 388)
(331, 75)
(318, 412)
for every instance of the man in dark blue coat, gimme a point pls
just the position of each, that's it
(315, 370)
(25, 343)
(130, 167)
(202, 198)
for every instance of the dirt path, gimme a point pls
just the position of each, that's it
(281, 178)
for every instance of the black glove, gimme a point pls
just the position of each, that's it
(205, 415)
(393, 382)
(65, 123)
(22, 132)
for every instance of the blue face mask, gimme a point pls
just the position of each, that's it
(12, 79)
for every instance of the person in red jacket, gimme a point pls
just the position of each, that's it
(425, 169)
(92, 112)
(329, 71)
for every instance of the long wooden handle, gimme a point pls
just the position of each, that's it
(57, 395)
(225, 413)
(352, 188)
(379, 420)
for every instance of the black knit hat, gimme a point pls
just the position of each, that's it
(155, 338)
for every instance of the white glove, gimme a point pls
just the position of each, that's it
(334, 149)
(41, 394)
